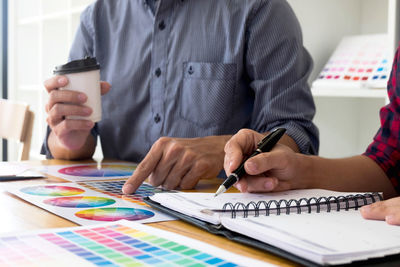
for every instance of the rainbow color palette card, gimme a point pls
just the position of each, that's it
(91, 171)
(362, 61)
(113, 244)
(85, 206)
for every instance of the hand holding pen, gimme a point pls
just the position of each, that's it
(265, 145)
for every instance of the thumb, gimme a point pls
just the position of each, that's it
(105, 87)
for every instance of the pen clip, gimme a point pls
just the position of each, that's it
(260, 142)
(278, 132)
(264, 139)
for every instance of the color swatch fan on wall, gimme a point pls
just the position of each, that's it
(362, 61)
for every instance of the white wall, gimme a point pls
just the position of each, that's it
(347, 124)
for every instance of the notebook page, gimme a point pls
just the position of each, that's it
(199, 205)
(188, 203)
(326, 237)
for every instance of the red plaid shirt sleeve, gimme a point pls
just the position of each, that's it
(385, 149)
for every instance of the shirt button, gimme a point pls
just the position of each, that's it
(161, 25)
(157, 118)
(158, 72)
(190, 71)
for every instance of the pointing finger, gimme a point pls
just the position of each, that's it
(144, 169)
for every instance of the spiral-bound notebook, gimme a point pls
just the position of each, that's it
(312, 227)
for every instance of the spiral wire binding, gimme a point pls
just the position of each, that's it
(287, 205)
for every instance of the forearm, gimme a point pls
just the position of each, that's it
(356, 174)
(60, 152)
(288, 141)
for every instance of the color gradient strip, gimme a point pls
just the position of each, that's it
(114, 214)
(111, 245)
(79, 202)
(52, 190)
(106, 170)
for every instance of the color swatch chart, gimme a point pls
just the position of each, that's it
(85, 206)
(91, 171)
(362, 61)
(113, 244)
(114, 188)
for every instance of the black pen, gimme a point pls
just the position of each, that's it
(265, 145)
(17, 177)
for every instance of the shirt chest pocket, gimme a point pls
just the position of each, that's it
(207, 93)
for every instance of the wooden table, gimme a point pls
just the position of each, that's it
(19, 215)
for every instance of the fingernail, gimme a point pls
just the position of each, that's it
(127, 189)
(167, 187)
(62, 81)
(268, 185)
(87, 111)
(390, 219)
(251, 166)
(366, 208)
(239, 187)
(89, 123)
(230, 163)
(82, 97)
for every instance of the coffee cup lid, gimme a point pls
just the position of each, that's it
(81, 65)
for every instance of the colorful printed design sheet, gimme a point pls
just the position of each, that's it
(114, 188)
(113, 244)
(91, 171)
(358, 61)
(84, 206)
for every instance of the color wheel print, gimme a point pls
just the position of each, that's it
(107, 170)
(114, 214)
(79, 202)
(52, 190)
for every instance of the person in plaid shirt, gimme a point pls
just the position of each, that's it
(378, 169)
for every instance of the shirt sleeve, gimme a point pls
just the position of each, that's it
(81, 47)
(385, 148)
(278, 67)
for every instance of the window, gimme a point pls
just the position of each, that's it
(40, 35)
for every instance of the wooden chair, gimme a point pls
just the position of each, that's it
(16, 123)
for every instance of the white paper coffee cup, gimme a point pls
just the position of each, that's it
(84, 76)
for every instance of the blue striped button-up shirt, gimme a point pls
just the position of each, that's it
(193, 68)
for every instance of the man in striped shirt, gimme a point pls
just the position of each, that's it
(185, 76)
